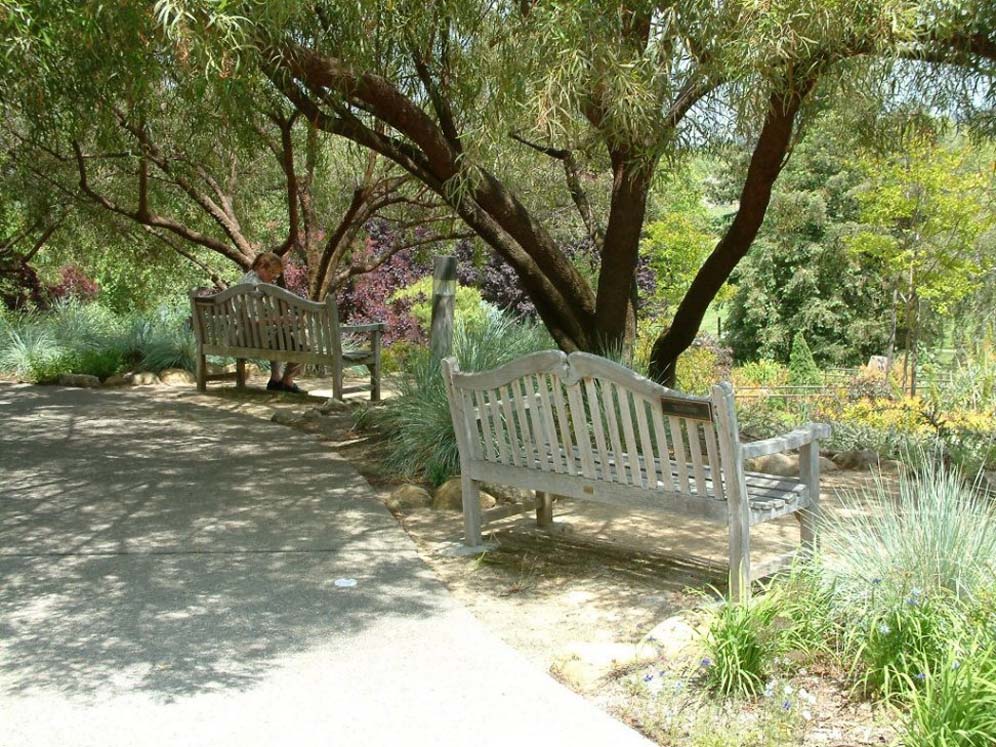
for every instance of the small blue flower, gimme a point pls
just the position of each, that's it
(648, 677)
(705, 663)
(679, 686)
(955, 664)
(876, 581)
(884, 629)
(769, 689)
(920, 676)
(662, 673)
(916, 592)
(786, 705)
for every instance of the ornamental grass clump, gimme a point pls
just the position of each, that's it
(420, 438)
(936, 532)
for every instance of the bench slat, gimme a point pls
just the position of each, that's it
(596, 424)
(581, 435)
(645, 441)
(546, 406)
(678, 446)
(563, 420)
(712, 450)
(609, 404)
(626, 415)
(695, 447)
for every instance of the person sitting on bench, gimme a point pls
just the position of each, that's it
(267, 268)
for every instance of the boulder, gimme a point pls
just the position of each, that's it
(449, 497)
(856, 459)
(293, 419)
(584, 665)
(117, 380)
(784, 465)
(142, 378)
(408, 498)
(78, 380)
(674, 638)
(333, 405)
(177, 377)
(505, 494)
(827, 465)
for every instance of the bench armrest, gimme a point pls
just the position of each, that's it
(804, 434)
(351, 328)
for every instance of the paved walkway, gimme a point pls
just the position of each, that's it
(168, 577)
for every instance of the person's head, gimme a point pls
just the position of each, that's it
(268, 266)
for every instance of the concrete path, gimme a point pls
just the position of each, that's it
(168, 577)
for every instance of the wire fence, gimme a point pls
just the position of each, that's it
(835, 380)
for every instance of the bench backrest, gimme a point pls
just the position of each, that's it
(586, 416)
(265, 317)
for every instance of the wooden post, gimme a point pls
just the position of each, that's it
(809, 473)
(443, 303)
(240, 373)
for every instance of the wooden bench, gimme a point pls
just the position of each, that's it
(267, 322)
(583, 427)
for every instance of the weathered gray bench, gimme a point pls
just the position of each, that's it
(267, 322)
(583, 427)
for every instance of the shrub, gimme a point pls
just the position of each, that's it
(74, 284)
(419, 430)
(803, 370)
(468, 304)
(760, 373)
(702, 365)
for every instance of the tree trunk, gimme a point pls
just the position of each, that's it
(615, 306)
(766, 163)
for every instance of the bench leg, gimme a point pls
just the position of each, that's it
(375, 381)
(375, 368)
(739, 557)
(240, 373)
(201, 373)
(337, 383)
(544, 510)
(471, 511)
(809, 518)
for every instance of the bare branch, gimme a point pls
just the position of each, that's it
(573, 176)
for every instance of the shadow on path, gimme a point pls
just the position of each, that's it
(171, 550)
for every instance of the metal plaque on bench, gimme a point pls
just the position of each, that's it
(684, 408)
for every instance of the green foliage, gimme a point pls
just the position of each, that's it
(419, 429)
(800, 274)
(740, 647)
(468, 308)
(762, 372)
(955, 703)
(790, 621)
(925, 209)
(704, 363)
(802, 369)
(889, 641)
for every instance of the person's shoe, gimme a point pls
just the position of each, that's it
(275, 386)
(293, 388)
